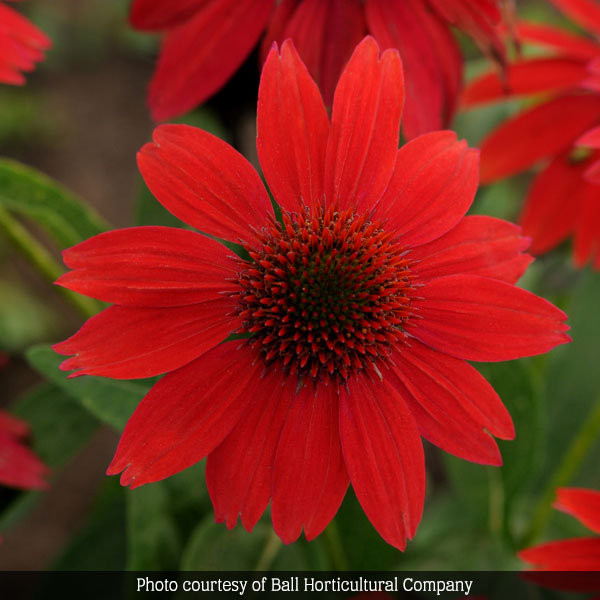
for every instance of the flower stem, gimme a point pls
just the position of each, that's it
(42, 260)
(269, 552)
(577, 451)
(336, 549)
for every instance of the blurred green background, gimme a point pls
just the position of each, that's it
(80, 120)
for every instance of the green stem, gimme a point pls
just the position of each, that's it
(42, 260)
(336, 549)
(269, 552)
(577, 451)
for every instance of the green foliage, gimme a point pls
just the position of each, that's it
(213, 547)
(53, 439)
(32, 194)
(24, 319)
(110, 401)
(101, 543)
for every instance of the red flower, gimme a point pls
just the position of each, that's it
(19, 467)
(563, 198)
(21, 46)
(207, 40)
(362, 304)
(576, 554)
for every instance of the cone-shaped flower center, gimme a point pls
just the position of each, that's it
(327, 294)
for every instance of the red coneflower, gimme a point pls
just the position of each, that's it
(361, 305)
(576, 554)
(21, 46)
(563, 199)
(207, 40)
(19, 466)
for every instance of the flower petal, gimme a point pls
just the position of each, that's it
(454, 406)
(431, 189)
(150, 266)
(384, 456)
(569, 44)
(479, 19)
(527, 77)
(13, 426)
(546, 217)
(239, 471)
(587, 227)
(482, 319)
(157, 15)
(292, 130)
(431, 59)
(145, 342)
(478, 245)
(22, 45)
(309, 475)
(541, 131)
(584, 12)
(365, 128)
(19, 466)
(200, 55)
(325, 35)
(187, 414)
(575, 554)
(581, 503)
(205, 182)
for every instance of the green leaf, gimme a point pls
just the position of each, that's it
(213, 547)
(59, 427)
(101, 542)
(32, 194)
(111, 401)
(153, 539)
(24, 319)
(363, 547)
(572, 383)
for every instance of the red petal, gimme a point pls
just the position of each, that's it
(584, 12)
(477, 18)
(21, 46)
(384, 457)
(546, 217)
(19, 466)
(187, 414)
(325, 35)
(157, 15)
(431, 189)
(365, 128)
(582, 503)
(431, 59)
(239, 471)
(576, 554)
(483, 319)
(569, 44)
(150, 266)
(536, 133)
(527, 77)
(13, 426)
(144, 342)
(198, 57)
(280, 16)
(587, 227)
(292, 131)
(453, 405)
(478, 245)
(590, 139)
(309, 475)
(203, 181)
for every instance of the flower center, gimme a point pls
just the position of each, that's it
(327, 295)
